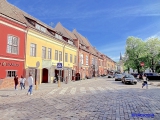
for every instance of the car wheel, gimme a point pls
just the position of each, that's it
(135, 83)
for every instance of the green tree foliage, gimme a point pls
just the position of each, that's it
(153, 52)
(134, 52)
(138, 51)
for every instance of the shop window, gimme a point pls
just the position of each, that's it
(12, 44)
(11, 73)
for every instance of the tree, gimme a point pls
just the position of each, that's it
(153, 52)
(135, 52)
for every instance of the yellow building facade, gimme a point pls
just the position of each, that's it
(44, 52)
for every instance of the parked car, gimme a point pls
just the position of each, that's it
(152, 76)
(129, 79)
(110, 76)
(118, 77)
(135, 74)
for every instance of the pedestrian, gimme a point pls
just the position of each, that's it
(30, 83)
(56, 77)
(22, 82)
(16, 81)
(145, 83)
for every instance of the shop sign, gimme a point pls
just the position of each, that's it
(9, 64)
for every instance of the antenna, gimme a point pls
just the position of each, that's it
(51, 24)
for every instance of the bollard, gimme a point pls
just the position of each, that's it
(36, 85)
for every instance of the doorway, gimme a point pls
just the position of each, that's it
(45, 75)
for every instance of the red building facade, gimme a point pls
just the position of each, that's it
(12, 50)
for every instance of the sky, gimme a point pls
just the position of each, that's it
(105, 23)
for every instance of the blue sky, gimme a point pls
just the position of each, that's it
(105, 23)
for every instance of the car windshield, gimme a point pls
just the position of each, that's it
(129, 76)
(118, 75)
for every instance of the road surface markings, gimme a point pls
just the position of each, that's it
(63, 90)
(53, 91)
(73, 91)
(92, 90)
(82, 90)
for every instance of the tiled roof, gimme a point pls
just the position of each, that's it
(66, 33)
(17, 14)
(84, 41)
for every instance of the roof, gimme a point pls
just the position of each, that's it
(84, 41)
(66, 33)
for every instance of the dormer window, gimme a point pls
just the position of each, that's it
(41, 28)
(70, 42)
(58, 36)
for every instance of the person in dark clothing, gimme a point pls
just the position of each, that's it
(16, 81)
(56, 78)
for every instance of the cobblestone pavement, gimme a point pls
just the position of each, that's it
(92, 99)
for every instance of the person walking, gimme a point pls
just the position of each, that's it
(16, 81)
(57, 77)
(22, 82)
(145, 83)
(30, 83)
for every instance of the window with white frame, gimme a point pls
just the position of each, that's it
(41, 28)
(66, 57)
(11, 73)
(70, 42)
(58, 36)
(12, 44)
(56, 54)
(81, 59)
(43, 52)
(33, 49)
(86, 60)
(92, 61)
(49, 53)
(70, 58)
(60, 56)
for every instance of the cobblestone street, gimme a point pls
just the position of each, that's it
(92, 99)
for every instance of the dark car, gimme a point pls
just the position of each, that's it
(118, 77)
(135, 74)
(152, 76)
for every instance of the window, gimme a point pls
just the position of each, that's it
(12, 45)
(58, 36)
(70, 58)
(75, 59)
(56, 54)
(11, 73)
(49, 53)
(33, 50)
(66, 57)
(86, 60)
(60, 56)
(92, 60)
(41, 28)
(70, 42)
(81, 59)
(43, 52)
